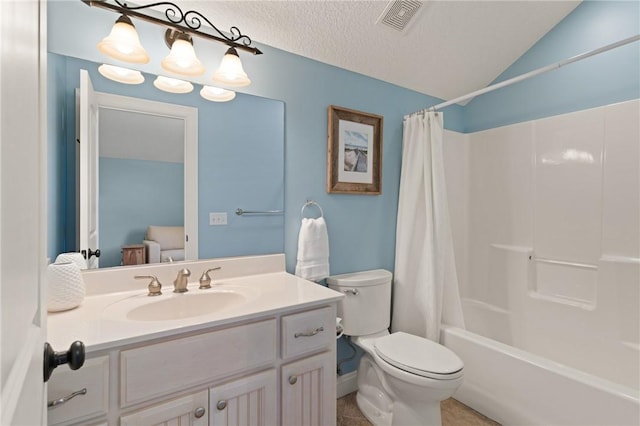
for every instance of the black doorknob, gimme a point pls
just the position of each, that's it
(74, 357)
(88, 253)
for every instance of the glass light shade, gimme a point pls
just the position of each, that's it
(121, 75)
(123, 43)
(217, 94)
(182, 58)
(172, 85)
(230, 72)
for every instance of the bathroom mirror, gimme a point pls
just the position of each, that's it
(240, 165)
(138, 203)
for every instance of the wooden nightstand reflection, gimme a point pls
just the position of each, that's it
(134, 254)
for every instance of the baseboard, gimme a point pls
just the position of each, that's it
(347, 383)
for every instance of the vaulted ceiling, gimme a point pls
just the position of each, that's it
(448, 48)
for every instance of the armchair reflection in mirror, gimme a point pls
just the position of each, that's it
(164, 244)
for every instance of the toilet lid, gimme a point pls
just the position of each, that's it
(419, 356)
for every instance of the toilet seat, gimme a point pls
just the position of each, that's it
(419, 356)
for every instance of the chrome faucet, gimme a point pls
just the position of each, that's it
(181, 281)
(205, 279)
(154, 286)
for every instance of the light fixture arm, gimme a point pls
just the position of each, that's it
(191, 19)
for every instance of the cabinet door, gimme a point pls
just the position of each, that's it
(246, 401)
(309, 391)
(189, 410)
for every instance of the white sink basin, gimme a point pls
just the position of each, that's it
(182, 306)
(179, 306)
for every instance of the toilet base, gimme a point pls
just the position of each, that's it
(371, 412)
(429, 415)
(378, 401)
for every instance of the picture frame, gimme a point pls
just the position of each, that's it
(354, 154)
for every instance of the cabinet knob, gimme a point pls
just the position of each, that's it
(221, 405)
(293, 380)
(199, 412)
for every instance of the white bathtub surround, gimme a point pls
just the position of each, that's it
(551, 239)
(425, 285)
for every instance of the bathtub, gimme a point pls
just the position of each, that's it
(515, 387)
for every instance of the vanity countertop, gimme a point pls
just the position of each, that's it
(101, 320)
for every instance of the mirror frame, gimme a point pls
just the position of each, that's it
(190, 117)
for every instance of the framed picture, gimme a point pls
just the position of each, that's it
(354, 155)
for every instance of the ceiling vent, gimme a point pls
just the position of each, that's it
(399, 13)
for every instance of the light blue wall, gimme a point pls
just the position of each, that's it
(604, 79)
(244, 168)
(133, 195)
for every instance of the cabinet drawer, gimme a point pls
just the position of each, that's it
(307, 332)
(94, 375)
(160, 369)
(190, 410)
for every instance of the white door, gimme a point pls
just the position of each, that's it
(23, 227)
(88, 170)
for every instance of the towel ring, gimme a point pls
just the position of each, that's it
(311, 203)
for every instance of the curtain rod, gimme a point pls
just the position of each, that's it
(530, 74)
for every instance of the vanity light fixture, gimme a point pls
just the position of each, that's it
(121, 42)
(230, 71)
(182, 59)
(121, 75)
(217, 94)
(172, 85)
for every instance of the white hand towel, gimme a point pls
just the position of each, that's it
(313, 250)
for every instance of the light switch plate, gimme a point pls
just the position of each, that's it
(217, 218)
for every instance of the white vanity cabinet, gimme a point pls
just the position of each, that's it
(276, 369)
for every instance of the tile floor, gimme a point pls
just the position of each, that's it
(454, 413)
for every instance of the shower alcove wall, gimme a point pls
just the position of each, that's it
(546, 226)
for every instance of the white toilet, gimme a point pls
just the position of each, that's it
(401, 378)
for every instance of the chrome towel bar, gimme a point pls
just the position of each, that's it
(241, 212)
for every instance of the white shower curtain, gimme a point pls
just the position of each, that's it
(425, 288)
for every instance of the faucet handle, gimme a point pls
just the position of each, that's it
(205, 279)
(154, 285)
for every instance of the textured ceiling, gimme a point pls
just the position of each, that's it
(449, 49)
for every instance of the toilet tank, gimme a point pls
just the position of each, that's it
(366, 309)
